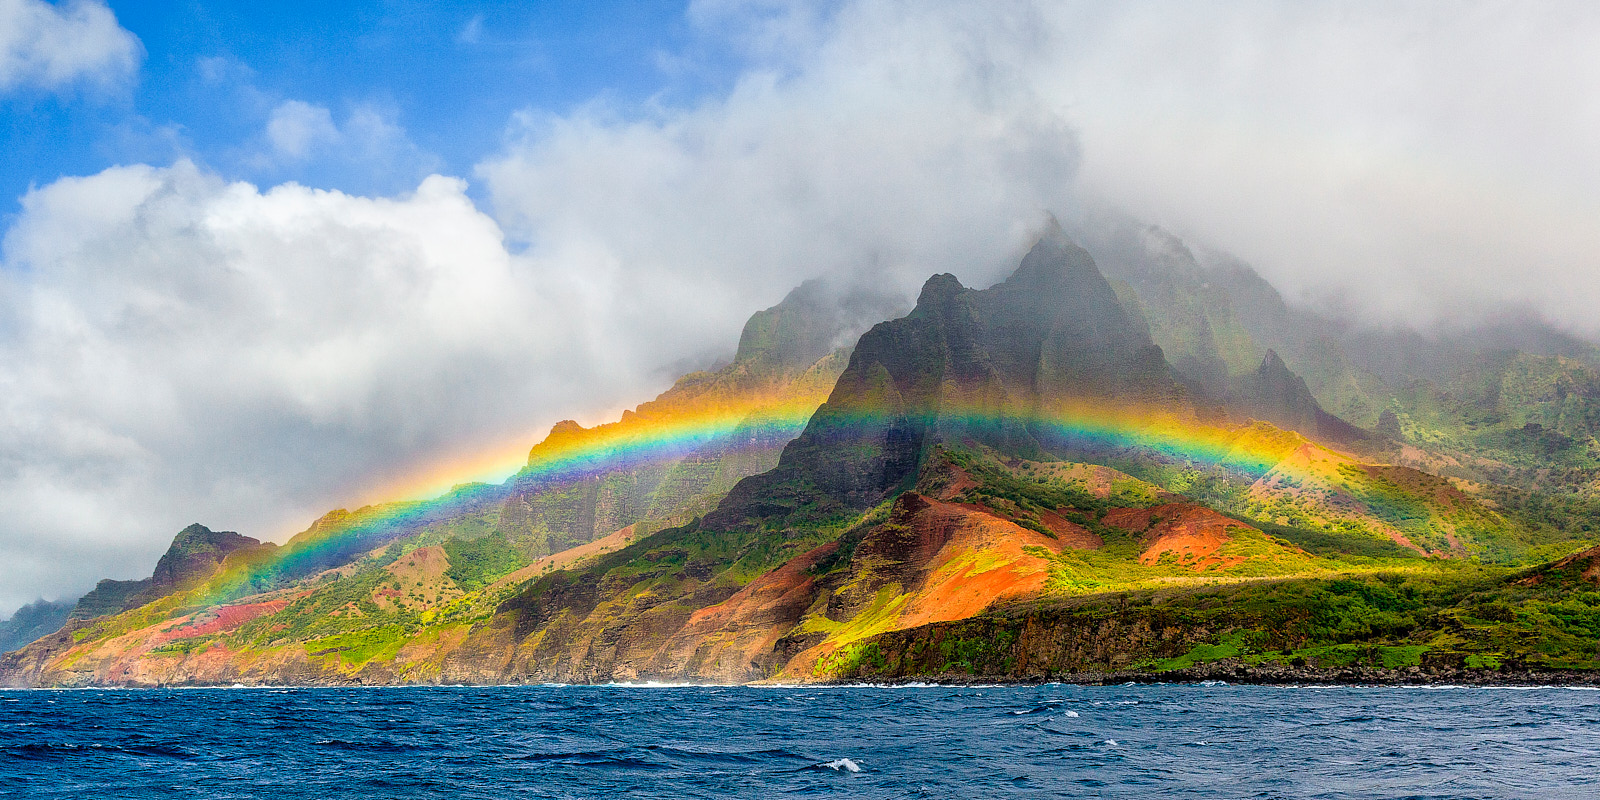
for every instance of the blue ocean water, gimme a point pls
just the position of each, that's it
(1209, 741)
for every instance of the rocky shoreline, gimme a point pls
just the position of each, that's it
(1237, 672)
(1230, 671)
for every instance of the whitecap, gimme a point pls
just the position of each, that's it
(1070, 714)
(1111, 742)
(842, 765)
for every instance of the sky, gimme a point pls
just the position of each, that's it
(261, 260)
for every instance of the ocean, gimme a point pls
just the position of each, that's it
(1144, 741)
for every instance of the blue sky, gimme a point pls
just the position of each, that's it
(447, 75)
(262, 260)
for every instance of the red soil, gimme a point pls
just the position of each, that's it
(725, 640)
(782, 594)
(1588, 560)
(960, 481)
(221, 618)
(1191, 533)
(1070, 533)
(966, 559)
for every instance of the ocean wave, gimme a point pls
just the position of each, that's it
(841, 765)
(588, 742)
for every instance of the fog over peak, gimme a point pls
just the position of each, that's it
(177, 346)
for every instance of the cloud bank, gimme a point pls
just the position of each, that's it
(177, 348)
(49, 47)
(181, 348)
(1411, 161)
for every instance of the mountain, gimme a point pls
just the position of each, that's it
(1014, 481)
(963, 364)
(31, 622)
(670, 459)
(194, 555)
(1503, 406)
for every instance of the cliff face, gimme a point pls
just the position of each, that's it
(788, 358)
(964, 365)
(194, 555)
(1275, 394)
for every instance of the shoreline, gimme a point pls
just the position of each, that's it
(1229, 672)
(1234, 672)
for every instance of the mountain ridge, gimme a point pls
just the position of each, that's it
(1024, 445)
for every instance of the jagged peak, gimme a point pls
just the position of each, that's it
(564, 429)
(812, 320)
(1053, 260)
(1272, 363)
(561, 431)
(939, 290)
(193, 531)
(197, 533)
(200, 533)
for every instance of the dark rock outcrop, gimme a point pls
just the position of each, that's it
(195, 554)
(1273, 393)
(963, 365)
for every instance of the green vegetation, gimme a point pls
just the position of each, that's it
(1444, 615)
(478, 562)
(358, 647)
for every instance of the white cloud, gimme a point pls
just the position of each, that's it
(178, 349)
(472, 31)
(51, 46)
(296, 127)
(1409, 160)
(1415, 160)
(298, 134)
(905, 145)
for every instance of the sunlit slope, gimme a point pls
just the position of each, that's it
(1431, 620)
(857, 531)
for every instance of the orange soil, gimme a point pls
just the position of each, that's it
(954, 560)
(1192, 533)
(967, 559)
(1588, 559)
(725, 640)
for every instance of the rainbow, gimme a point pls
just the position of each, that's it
(572, 452)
